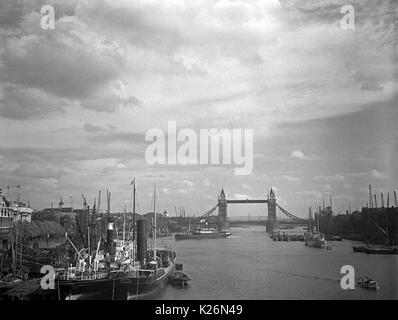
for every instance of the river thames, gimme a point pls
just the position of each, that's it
(249, 265)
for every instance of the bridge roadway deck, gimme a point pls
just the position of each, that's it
(248, 201)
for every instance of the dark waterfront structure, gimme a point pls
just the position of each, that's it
(373, 225)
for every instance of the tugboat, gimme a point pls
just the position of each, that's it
(367, 283)
(314, 239)
(179, 278)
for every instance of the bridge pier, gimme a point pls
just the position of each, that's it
(222, 211)
(272, 222)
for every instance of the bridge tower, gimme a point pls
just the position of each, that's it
(222, 210)
(271, 223)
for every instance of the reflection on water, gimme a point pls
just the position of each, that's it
(249, 265)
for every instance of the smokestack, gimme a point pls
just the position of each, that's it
(109, 235)
(330, 201)
(382, 200)
(375, 201)
(370, 197)
(141, 241)
(108, 199)
(388, 199)
(323, 203)
(395, 199)
(310, 220)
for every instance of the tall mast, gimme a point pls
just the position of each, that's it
(134, 209)
(387, 236)
(154, 213)
(370, 197)
(375, 200)
(124, 222)
(99, 201)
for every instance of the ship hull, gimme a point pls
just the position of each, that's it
(315, 243)
(215, 235)
(369, 250)
(119, 286)
(123, 288)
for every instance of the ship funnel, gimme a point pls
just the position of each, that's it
(141, 240)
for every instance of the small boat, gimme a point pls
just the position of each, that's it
(367, 283)
(180, 279)
(361, 249)
(314, 239)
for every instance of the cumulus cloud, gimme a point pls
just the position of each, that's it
(39, 170)
(92, 128)
(69, 63)
(291, 178)
(298, 154)
(311, 194)
(372, 174)
(239, 196)
(330, 178)
(19, 102)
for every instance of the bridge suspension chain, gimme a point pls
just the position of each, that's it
(290, 215)
(209, 212)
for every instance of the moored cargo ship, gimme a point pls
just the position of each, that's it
(202, 233)
(133, 272)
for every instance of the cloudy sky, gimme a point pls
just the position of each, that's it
(76, 102)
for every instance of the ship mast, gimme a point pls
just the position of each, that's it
(134, 247)
(124, 223)
(134, 191)
(154, 237)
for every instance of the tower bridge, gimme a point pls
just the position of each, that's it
(271, 223)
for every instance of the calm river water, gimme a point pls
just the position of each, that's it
(249, 265)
